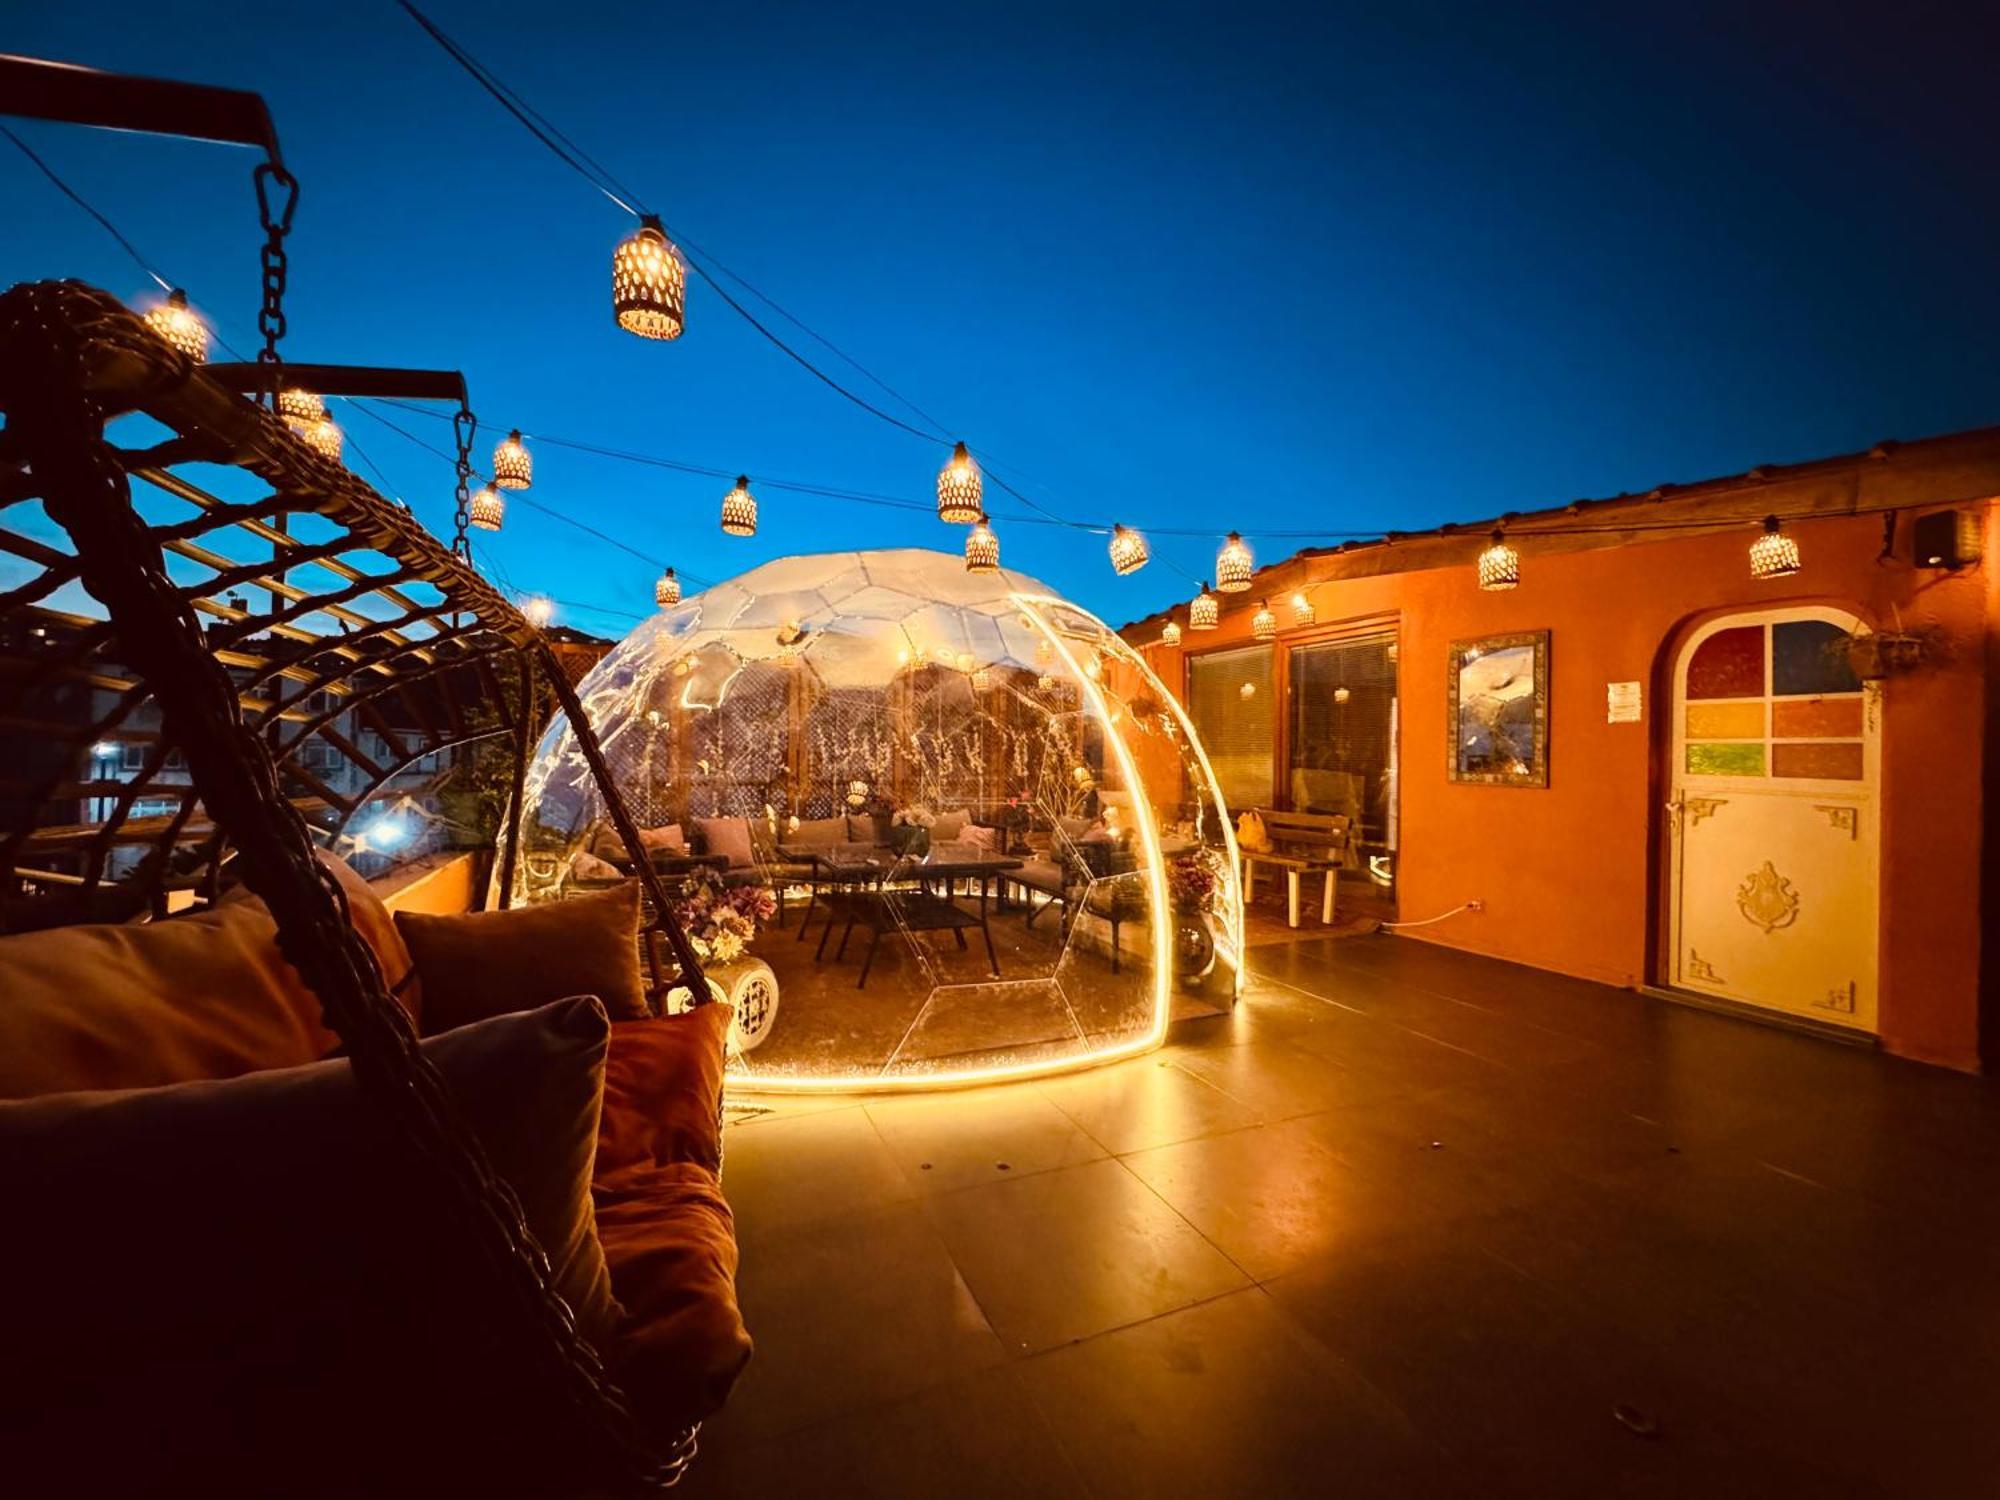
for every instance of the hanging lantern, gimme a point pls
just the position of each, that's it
(667, 592)
(982, 680)
(1205, 611)
(300, 408)
(1046, 683)
(1233, 566)
(1247, 691)
(1499, 564)
(857, 793)
(1773, 555)
(513, 466)
(487, 510)
(1302, 609)
(982, 549)
(1128, 551)
(539, 610)
(958, 490)
(1264, 624)
(177, 323)
(1170, 634)
(739, 509)
(323, 437)
(649, 283)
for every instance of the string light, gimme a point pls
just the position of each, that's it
(982, 549)
(667, 592)
(1205, 613)
(1170, 634)
(1233, 566)
(177, 323)
(1499, 564)
(1302, 609)
(1773, 555)
(486, 510)
(1264, 624)
(958, 489)
(739, 509)
(300, 408)
(649, 283)
(513, 465)
(1128, 550)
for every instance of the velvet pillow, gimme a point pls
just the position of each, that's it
(663, 1090)
(947, 826)
(983, 839)
(225, 1273)
(726, 836)
(667, 836)
(377, 928)
(486, 963)
(819, 832)
(587, 866)
(131, 1005)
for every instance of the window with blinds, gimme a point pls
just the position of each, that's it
(1343, 735)
(1230, 701)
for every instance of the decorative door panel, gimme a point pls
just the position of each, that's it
(1773, 818)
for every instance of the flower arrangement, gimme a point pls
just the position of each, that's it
(1192, 880)
(721, 920)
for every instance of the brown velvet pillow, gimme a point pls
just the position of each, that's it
(663, 1090)
(240, 1268)
(819, 832)
(486, 963)
(132, 1005)
(377, 928)
(726, 836)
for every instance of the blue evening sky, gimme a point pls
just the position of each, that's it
(1269, 267)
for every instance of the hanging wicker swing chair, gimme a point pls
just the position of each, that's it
(201, 626)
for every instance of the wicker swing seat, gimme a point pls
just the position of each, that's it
(270, 644)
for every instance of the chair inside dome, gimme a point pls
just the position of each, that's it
(924, 825)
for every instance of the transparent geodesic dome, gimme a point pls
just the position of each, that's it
(925, 825)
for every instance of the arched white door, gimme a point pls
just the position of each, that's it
(1774, 817)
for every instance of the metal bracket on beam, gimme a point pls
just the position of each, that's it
(346, 380)
(38, 89)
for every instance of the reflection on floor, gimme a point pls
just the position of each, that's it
(1408, 1223)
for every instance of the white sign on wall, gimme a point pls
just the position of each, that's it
(1622, 704)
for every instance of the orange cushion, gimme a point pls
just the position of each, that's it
(486, 963)
(206, 995)
(671, 1243)
(262, 1267)
(663, 1091)
(377, 928)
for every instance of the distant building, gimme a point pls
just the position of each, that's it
(1767, 792)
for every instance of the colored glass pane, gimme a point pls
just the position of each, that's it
(1729, 664)
(1814, 718)
(1725, 721)
(1725, 760)
(1837, 762)
(1809, 656)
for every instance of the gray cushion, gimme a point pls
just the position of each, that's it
(818, 831)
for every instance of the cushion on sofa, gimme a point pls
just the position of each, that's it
(377, 928)
(230, 1272)
(947, 826)
(487, 963)
(663, 1090)
(667, 838)
(120, 1006)
(819, 831)
(726, 836)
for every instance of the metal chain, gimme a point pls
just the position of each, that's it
(463, 426)
(275, 214)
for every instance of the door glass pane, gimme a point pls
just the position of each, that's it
(1815, 718)
(1729, 664)
(1809, 656)
(1725, 760)
(1725, 721)
(1343, 739)
(1840, 761)
(1231, 703)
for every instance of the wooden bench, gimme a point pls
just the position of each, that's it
(1302, 844)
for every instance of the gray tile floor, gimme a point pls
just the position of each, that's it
(1409, 1223)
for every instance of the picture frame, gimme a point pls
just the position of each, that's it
(1497, 710)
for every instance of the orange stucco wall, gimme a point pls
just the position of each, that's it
(1568, 874)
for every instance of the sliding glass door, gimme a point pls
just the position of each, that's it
(1341, 742)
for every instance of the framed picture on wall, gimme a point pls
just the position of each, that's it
(1497, 710)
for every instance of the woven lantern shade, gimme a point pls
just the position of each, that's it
(1128, 550)
(1264, 624)
(1170, 634)
(857, 793)
(1499, 564)
(300, 408)
(1233, 566)
(177, 323)
(649, 283)
(982, 549)
(739, 509)
(487, 509)
(513, 465)
(1773, 555)
(1205, 611)
(323, 437)
(667, 592)
(1302, 609)
(958, 490)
